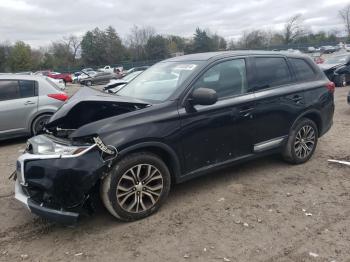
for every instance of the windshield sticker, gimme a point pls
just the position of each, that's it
(185, 67)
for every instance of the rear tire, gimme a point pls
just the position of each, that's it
(136, 186)
(39, 123)
(89, 83)
(302, 142)
(341, 81)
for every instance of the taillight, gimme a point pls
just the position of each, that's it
(331, 87)
(61, 96)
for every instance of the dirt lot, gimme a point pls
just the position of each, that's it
(258, 211)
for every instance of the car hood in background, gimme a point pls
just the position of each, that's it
(325, 67)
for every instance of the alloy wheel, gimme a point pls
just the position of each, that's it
(305, 141)
(139, 188)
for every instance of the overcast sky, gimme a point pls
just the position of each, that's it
(38, 22)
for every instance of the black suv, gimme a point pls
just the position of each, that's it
(181, 118)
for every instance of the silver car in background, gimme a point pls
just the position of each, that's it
(26, 103)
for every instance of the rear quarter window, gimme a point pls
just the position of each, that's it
(271, 72)
(27, 88)
(303, 70)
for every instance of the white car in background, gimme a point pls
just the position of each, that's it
(107, 68)
(59, 82)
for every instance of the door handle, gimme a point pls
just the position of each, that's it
(246, 111)
(29, 103)
(296, 98)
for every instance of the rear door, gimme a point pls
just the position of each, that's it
(18, 101)
(279, 100)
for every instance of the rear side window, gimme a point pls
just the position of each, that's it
(302, 69)
(9, 90)
(271, 72)
(26, 88)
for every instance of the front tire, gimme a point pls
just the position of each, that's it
(302, 142)
(136, 186)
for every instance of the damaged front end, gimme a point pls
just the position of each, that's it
(59, 169)
(55, 176)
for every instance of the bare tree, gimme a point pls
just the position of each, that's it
(293, 29)
(345, 15)
(137, 40)
(73, 44)
(255, 39)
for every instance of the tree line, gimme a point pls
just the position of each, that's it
(105, 47)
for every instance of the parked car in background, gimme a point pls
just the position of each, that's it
(66, 77)
(42, 72)
(206, 111)
(347, 47)
(107, 68)
(317, 57)
(337, 69)
(328, 49)
(59, 82)
(114, 85)
(75, 77)
(100, 78)
(26, 104)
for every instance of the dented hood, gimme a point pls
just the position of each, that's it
(89, 105)
(326, 67)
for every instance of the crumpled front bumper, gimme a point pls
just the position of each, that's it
(60, 216)
(56, 187)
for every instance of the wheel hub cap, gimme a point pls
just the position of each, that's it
(139, 188)
(305, 141)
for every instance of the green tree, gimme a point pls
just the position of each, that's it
(202, 42)
(100, 47)
(3, 58)
(157, 47)
(20, 57)
(114, 49)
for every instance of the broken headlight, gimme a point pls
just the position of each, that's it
(42, 145)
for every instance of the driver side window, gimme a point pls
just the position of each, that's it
(226, 78)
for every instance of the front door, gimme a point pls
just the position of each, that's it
(212, 135)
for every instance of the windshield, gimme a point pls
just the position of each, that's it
(160, 81)
(131, 76)
(341, 59)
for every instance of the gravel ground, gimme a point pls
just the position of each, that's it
(264, 210)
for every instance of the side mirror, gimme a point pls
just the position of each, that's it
(342, 70)
(204, 96)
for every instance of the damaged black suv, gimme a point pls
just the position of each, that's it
(181, 118)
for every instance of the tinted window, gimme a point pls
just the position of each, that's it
(302, 69)
(227, 78)
(271, 71)
(8, 90)
(26, 88)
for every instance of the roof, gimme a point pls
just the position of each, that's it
(21, 77)
(222, 54)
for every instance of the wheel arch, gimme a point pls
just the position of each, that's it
(36, 117)
(313, 115)
(165, 152)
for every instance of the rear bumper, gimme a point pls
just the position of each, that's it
(60, 216)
